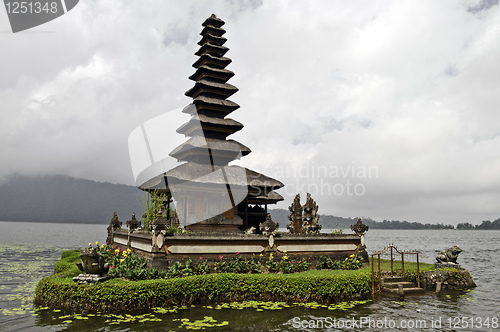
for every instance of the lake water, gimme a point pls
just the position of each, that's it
(28, 252)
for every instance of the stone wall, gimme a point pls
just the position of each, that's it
(162, 250)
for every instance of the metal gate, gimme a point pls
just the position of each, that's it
(391, 262)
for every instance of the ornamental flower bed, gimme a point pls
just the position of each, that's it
(125, 264)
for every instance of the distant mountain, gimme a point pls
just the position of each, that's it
(72, 200)
(66, 199)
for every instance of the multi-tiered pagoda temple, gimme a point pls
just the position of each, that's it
(209, 193)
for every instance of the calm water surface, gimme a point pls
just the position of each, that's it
(28, 252)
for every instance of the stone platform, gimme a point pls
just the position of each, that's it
(85, 278)
(162, 249)
(447, 266)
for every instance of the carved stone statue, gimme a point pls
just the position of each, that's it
(133, 223)
(92, 262)
(295, 216)
(311, 216)
(268, 227)
(160, 223)
(93, 266)
(449, 255)
(113, 226)
(359, 228)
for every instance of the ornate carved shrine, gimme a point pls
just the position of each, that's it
(304, 219)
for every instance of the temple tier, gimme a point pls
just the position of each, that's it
(210, 194)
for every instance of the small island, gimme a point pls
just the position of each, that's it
(220, 244)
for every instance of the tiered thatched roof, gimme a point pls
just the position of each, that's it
(208, 149)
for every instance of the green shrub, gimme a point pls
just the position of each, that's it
(352, 262)
(66, 266)
(118, 294)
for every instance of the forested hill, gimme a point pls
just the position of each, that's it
(67, 199)
(331, 222)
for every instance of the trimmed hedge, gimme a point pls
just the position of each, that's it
(59, 290)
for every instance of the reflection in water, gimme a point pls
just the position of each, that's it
(28, 252)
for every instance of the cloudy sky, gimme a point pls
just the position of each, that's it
(383, 109)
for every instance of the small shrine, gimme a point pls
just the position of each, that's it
(304, 219)
(210, 194)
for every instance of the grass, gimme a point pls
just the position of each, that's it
(385, 265)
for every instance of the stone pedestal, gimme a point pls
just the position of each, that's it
(85, 278)
(447, 279)
(447, 265)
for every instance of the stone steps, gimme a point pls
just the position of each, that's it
(394, 279)
(405, 284)
(406, 291)
(399, 286)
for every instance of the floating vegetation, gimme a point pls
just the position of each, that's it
(24, 267)
(110, 319)
(173, 309)
(404, 303)
(207, 321)
(118, 319)
(23, 309)
(343, 306)
(14, 311)
(261, 305)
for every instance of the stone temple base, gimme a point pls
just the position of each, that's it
(447, 266)
(90, 278)
(162, 250)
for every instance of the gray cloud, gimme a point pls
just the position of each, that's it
(322, 84)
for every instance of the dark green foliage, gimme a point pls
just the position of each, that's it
(118, 294)
(66, 266)
(287, 265)
(59, 290)
(178, 270)
(352, 262)
(125, 264)
(151, 205)
(487, 224)
(254, 265)
(237, 265)
(465, 226)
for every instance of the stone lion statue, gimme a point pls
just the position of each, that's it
(449, 255)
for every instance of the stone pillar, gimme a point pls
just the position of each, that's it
(360, 229)
(132, 225)
(113, 226)
(295, 216)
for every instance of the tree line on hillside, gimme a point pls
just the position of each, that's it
(334, 222)
(345, 223)
(486, 224)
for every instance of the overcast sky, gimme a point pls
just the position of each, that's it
(383, 109)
